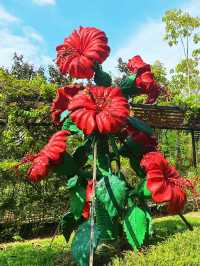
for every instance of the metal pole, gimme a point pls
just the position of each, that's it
(194, 149)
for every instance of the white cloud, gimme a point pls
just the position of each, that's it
(27, 42)
(11, 43)
(6, 17)
(148, 42)
(32, 34)
(44, 2)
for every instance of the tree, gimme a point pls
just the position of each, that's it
(24, 70)
(181, 27)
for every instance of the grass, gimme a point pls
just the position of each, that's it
(172, 244)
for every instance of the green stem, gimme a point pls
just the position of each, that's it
(93, 204)
(186, 222)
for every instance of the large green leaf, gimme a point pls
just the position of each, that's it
(142, 190)
(135, 226)
(103, 160)
(149, 224)
(77, 200)
(64, 115)
(111, 192)
(81, 243)
(140, 125)
(128, 87)
(81, 153)
(109, 229)
(68, 167)
(72, 182)
(69, 125)
(68, 224)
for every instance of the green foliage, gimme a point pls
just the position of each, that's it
(111, 192)
(77, 200)
(81, 243)
(101, 78)
(135, 226)
(68, 224)
(109, 228)
(140, 125)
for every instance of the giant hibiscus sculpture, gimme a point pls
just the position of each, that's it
(81, 50)
(102, 204)
(164, 182)
(99, 109)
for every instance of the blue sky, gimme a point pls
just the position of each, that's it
(35, 27)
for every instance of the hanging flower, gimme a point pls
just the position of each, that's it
(61, 101)
(48, 156)
(164, 182)
(89, 191)
(99, 109)
(136, 64)
(81, 50)
(149, 143)
(144, 80)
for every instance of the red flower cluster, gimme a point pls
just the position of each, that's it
(49, 155)
(61, 101)
(89, 191)
(164, 182)
(99, 109)
(81, 50)
(149, 143)
(144, 79)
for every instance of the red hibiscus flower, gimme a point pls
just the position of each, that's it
(61, 101)
(89, 191)
(144, 80)
(164, 182)
(136, 64)
(148, 143)
(48, 156)
(99, 108)
(81, 50)
(153, 93)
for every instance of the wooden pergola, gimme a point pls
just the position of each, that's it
(158, 117)
(169, 117)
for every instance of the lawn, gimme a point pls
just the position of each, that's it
(173, 244)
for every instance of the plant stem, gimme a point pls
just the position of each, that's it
(186, 222)
(93, 204)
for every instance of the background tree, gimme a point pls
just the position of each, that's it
(181, 28)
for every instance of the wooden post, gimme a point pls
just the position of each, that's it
(194, 149)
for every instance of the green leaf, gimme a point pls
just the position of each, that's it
(72, 182)
(149, 224)
(103, 160)
(130, 147)
(81, 153)
(128, 87)
(69, 125)
(135, 164)
(135, 227)
(111, 192)
(68, 224)
(68, 167)
(64, 115)
(140, 125)
(81, 243)
(109, 229)
(142, 190)
(77, 200)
